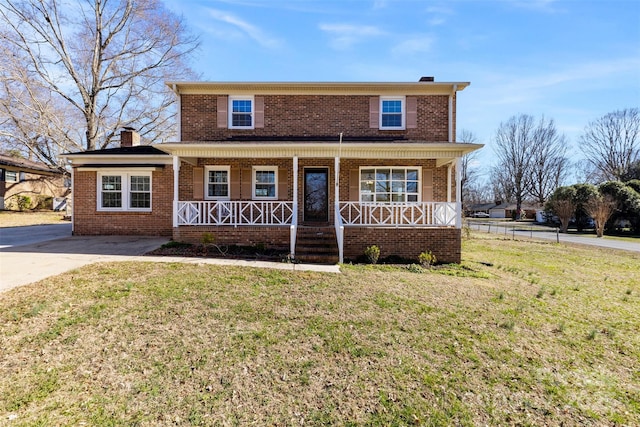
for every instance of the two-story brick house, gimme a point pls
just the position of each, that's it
(289, 165)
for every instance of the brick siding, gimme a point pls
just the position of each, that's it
(404, 242)
(88, 220)
(313, 115)
(271, 237)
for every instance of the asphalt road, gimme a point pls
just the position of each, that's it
(17, 236)
(511, 229)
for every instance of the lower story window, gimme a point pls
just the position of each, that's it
(124, 191)
(217, 182)
(389, 185)
(265, 182)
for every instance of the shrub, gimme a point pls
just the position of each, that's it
(427, 259)
(372, 253)
(23, 202)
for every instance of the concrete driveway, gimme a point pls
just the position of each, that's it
(21, 264)
(46, 254)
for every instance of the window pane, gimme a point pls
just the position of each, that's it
(392, 106)
(367, 187)
(391, 120)
(11, 176)
(111, 200)
(397, 186)
(367, 175)
(241, 113)
(382, 197)
(265, 190)
(367, 197)
(239, 120)
(412, 174)
(265, 176)
(218, 176)
(397, 197)
(140, 200)
(140, 183)
(242, 106)
(218, 190)
(412, 198)
(412, 187)
(111, 183)
(397, 174)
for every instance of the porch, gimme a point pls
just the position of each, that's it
(421, 195)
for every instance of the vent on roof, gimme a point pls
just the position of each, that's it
(427, 79)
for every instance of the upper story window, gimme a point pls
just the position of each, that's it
(217, 182)
(265, 182)
(124, 191)
(389, 185)
(392, 113)
(241, 111)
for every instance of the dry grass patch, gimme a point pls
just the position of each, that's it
(156, 344)
(20, 219)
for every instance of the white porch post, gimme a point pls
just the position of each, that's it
(449, 183)
(458, 194)
(176, 189)
(294, 220)
(337, 220)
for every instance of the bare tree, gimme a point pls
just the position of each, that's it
(531, 159)
(513, 150)
(468, 170)
(600, 207)
(99, 63)
(549, 165)
(611, 144)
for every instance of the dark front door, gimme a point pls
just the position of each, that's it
(316, 195)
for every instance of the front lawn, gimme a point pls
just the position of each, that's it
(523, 333)
(20, 219)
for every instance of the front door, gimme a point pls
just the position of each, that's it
(316, 195)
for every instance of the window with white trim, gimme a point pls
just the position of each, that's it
(124, 191)
(216, 183)
(241, 112)
(392, 113)
(265, 182)
(389, 184)
(11, 176)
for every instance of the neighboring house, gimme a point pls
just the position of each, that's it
(508, 210)
(479, 209)
(314, 168)
(24, 178)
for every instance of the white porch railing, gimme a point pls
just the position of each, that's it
(235, 213)
(436, 214)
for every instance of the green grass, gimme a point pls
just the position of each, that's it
(521, 333)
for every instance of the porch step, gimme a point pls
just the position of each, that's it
(317, 245)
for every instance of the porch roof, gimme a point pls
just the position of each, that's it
(443, 152)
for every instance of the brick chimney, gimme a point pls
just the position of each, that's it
(129, 137)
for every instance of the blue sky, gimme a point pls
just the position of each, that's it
(569, 60)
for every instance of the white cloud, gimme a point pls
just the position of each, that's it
(343, 36)
(421, 44)
(245, 28)
(537, 5)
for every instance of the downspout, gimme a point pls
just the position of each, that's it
(294, 221)
(337, 220)
(451, 130)
(179, 116)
